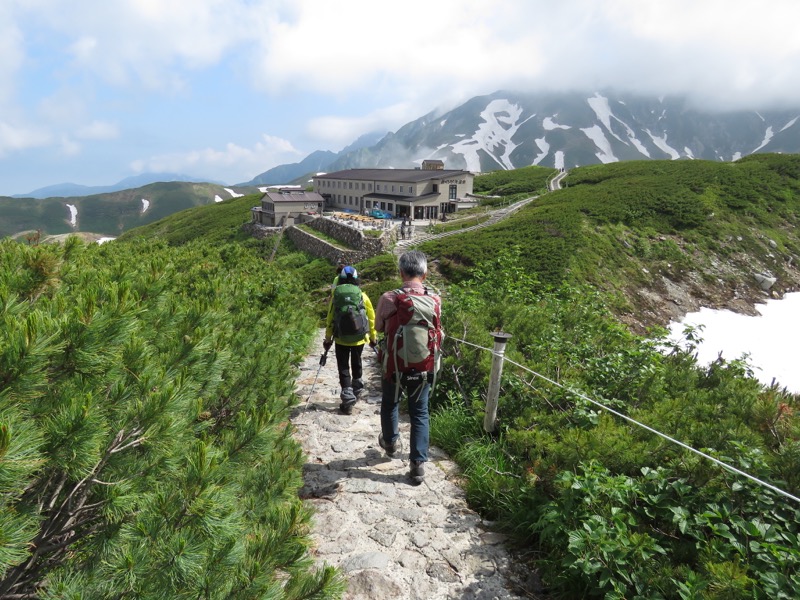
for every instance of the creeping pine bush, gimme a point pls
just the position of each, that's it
(610, 509)
(144, 452)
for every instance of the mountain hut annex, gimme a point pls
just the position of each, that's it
(426, 193)
(284, 206)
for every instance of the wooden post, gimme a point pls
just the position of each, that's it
(490, 418)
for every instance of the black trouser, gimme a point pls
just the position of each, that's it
(348, 357)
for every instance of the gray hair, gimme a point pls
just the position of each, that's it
(413, 263)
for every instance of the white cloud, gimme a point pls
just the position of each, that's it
(234, 163)
(98, 130)
(14, 138)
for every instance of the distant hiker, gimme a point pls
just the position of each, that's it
(410, 319)
(351, 324)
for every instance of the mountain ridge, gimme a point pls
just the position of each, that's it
(507, 130)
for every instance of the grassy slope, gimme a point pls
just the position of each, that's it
(107, 214)
(629, 225)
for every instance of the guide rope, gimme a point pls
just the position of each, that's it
(635, 422)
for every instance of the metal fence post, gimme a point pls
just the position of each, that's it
(490, 418)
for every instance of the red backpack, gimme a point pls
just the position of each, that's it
(413, 335)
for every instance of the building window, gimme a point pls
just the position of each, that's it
(453, 194)
(350, 186)
(435, 188)
(370, 187)
(392, 189)
(390, 208)
(366, 204)
(410, 190)
(383, 205)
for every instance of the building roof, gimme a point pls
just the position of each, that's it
(398, 175)
(295, 197)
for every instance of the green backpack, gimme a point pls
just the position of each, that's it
(350, 323)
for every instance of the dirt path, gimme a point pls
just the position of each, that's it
(391, 539)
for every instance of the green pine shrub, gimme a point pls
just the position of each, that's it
(144, 439)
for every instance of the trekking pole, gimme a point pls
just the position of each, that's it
(322, 360)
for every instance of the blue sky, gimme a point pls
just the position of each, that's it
(95, 91)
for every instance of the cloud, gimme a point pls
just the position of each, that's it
(338, 130)
(98, 130)
(234, 163)
(14, 138)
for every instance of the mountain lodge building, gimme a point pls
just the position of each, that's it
(282, 206)
(425, 193)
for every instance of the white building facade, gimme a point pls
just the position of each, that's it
(404, 193)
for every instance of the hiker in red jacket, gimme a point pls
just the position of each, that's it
(410, 318)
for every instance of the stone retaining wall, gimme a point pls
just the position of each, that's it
(359, 246)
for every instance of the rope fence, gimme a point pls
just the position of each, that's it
(499, 357)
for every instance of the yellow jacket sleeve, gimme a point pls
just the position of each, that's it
(373, 335)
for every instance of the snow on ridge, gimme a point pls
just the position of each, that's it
(494, 135)
(596, 135)
(599, 104)
(688, 152)
(559, 159)
(263, 190)
(232, 193)
(549, 124)
(145, 205)
(789, 124)
(217, 198)
(442, 122)
(736, 156)
(542, 144)
(661, 143)
(73, 214)
(767, 138)
(103, 240)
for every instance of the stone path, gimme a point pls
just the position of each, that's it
(390, 538)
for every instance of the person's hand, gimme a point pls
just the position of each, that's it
(327, 344)
(372, 344)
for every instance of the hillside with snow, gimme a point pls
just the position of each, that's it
(508, 130)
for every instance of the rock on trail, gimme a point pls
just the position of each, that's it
(391, 539)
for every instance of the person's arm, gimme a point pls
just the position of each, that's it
(373, 335)
(384, 310)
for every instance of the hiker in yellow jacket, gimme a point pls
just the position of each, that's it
(351, 324)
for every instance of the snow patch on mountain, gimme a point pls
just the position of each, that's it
(767, 138)
(501, 120)
(542, 144)
(549, 124)
(217, 198)
(559, 162)
(73, 214)
(145, 205)
(661, 143)
(736, 156)
(233, 193)
(688, 152)
(789, 124)
(599, 104)
(596, 135)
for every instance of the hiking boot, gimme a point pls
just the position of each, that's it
(358, 387)
(346, 408)
(391, 449)
(417, 472)
(347, 396)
